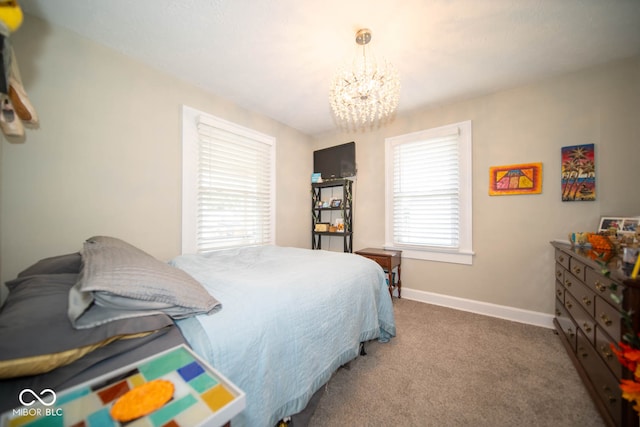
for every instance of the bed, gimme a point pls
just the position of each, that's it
(277, 321)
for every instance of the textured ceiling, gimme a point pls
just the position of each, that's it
(278, 57)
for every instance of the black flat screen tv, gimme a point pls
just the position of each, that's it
(335, 162)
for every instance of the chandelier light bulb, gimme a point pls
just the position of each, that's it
(364, 93)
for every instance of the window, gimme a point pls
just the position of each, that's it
(428, 194)
(227, 186)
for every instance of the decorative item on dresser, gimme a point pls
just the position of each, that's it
(589, 320)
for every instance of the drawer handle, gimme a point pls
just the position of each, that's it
(586, 327)
(605, 352)
(577, 270)
(558, 273)
(584, 353)
(600, 286)
(586, 301)
(558, 313)
(567, 282)
(561, 258)
(559, 292)
(612, 399)
(569, 305)
(606, 320)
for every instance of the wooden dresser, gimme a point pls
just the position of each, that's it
(588, 320)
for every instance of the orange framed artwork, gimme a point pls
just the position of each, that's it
(515, 179)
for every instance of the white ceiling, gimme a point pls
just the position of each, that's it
(278, 57)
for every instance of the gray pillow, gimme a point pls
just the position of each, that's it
(119, 280)
(4, 294)
(34, 322)
(69, 263)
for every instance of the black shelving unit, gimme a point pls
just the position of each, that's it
(346, 209)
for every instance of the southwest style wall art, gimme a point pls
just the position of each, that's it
(578, 173)
(515, 179)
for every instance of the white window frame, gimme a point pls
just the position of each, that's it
(463, 254)
(190, 150)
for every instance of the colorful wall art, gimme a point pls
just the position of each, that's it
(578, 173)
(515, 179)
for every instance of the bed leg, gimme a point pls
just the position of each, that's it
(362, 352)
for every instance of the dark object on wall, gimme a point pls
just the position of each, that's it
(336, 162)
(5, 64)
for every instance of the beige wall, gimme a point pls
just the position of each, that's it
(106, 160)
(107, 156)
(514, 261)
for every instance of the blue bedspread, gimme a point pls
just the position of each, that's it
(290, 317)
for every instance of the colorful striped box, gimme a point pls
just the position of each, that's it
(202, 396)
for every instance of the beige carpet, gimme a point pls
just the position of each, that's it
(452, 368)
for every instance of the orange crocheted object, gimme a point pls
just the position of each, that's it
(600, 242)
(142, 400)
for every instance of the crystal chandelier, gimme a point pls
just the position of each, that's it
(364, 94)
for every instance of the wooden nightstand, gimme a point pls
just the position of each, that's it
(388, 260)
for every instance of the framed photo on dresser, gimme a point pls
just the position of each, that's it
(620, 224)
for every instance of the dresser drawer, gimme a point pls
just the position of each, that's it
(384, 262)
(602, 285)
(577, 268)
(580, 316)
(560, 292)
(583, 294)
(609, 318)
(603, 347)
(604, 382)
(566, 324)
(560, 272)
(562, 259)
(570, 281)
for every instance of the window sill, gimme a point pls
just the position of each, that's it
(459, 257)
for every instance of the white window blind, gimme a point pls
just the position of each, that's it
(428, 194)
(234, 194)
(425, 193)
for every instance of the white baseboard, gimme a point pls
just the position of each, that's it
(500, 311)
